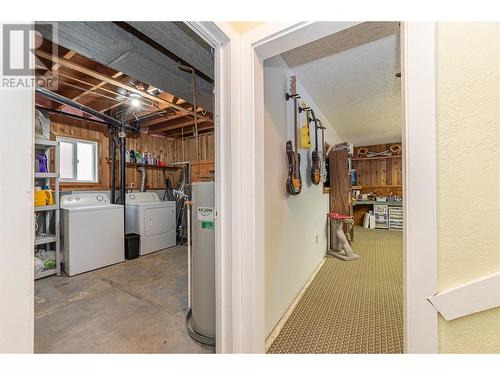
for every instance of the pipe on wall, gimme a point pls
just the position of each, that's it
(142, 170)
(123, 137)
(112, 154)
(71, 115)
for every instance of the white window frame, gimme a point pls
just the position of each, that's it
(75, 141)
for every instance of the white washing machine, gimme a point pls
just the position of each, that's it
(153, 219)
(92, 232)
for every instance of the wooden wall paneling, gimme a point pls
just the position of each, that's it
(363, 172)
(169, 150)
(380, 176)
(388, 170)
(206, 166)
(400, 172)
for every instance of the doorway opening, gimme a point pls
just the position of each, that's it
(124, 189)
(335, 285)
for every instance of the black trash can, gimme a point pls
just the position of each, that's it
(132, 242)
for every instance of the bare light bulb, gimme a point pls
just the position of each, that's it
(135, 102)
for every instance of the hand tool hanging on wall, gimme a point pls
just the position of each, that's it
(191, 70)
(294, 180)
(315, 157)
(305, 138)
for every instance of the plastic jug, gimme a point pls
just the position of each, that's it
(40, 197)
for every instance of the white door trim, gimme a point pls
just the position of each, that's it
(419, 173)
(248, 254)
(16, 219)
(225, 41)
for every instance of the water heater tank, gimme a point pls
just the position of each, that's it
(201, 317)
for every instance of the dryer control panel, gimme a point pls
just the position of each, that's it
(143, 197)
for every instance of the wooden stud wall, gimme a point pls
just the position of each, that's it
(207, 145)
(379, 175)
(169, 150)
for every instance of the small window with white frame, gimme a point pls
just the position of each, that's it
(77, 160)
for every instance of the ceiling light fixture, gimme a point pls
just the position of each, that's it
(135, 102)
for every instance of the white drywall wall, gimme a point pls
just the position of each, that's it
(292, 222)
(468, 164)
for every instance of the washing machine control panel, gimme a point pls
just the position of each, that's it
(84, 199)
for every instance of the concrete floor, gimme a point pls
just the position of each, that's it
(138, 306)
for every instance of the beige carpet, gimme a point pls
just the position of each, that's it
(352, 307)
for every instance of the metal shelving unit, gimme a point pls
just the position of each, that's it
(51, 213)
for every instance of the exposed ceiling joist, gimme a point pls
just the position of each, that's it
(68, 55)
(155, 123)
(111, 107)
(179, 125)
(93, 88)
(79, 68)
(190, 132)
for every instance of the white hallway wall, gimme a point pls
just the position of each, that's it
(16, 219)
(292, 222)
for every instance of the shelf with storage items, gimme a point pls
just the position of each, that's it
(46, 208)
(45, 239)
(378, 158)
(167, 167)
(44, 175)
(47, 217)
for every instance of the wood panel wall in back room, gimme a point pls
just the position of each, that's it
(379, 175)
(169, 150)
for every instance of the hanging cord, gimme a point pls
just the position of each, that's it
(182, 145)
(195, 111)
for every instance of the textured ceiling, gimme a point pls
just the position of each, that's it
(355, 85)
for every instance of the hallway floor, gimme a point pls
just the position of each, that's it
(352, 307)
(138, 306)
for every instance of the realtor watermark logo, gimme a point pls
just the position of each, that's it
(20, 66)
